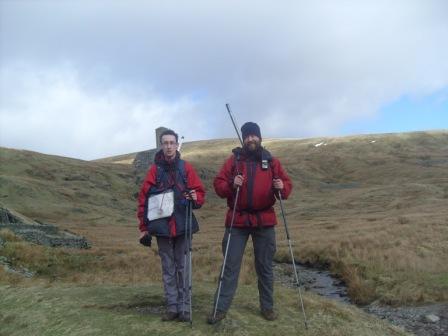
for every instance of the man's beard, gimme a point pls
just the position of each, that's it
(252, 146)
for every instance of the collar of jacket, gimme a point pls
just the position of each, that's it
(259, 155)
(159, 159)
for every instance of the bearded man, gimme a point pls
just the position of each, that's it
(260, 177)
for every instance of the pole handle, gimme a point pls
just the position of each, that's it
(180, 143)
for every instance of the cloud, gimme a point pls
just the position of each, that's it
(52, 111)
(298, 68)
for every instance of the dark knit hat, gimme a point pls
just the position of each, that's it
(250, 128)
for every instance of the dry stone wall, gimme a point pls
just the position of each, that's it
(39, 233)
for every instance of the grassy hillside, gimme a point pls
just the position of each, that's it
(86, 197)
(374, 208)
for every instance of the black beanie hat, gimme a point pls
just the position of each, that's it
(250, 128)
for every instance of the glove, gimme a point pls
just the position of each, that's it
(146, 240)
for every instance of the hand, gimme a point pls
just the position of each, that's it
(145, 239)
(238, 181)
(278, 183)
(191, 195)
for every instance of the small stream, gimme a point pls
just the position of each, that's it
(416, 320)
(317, 280)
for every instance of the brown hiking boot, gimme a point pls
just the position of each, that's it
(215, 319)
(269, 314)
(169, 316)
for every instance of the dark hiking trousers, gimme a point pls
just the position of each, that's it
(172, 256)
(263, 240)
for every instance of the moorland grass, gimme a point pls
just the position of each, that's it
(372, 208)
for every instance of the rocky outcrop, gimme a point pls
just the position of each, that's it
(39, 233)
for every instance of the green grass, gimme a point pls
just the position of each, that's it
(136, 310)
(440, 280)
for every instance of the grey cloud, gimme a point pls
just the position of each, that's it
(299, 68)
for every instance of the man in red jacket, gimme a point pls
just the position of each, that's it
(170, 173)
(260, 178)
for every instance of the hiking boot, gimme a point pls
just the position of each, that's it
(269, 314)
(169, 316)
(184, 317)
(219, 316)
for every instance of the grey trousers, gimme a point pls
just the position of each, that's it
(263, 240)
(174, 267)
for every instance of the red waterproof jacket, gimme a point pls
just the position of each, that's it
(173, 226)
(257, 195)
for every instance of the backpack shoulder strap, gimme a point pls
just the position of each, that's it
(159, 175)
(182, 171)
(236, 159)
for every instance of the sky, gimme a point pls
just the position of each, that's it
(92, 79)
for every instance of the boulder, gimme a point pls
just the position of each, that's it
(431, 318)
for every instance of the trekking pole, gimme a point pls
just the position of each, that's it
(190, 271)
(184, 289)
(234, 123)
(226, 252)
(292, 258)
(231, 222)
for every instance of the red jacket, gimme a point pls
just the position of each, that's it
(193, 182)
(257, 195)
